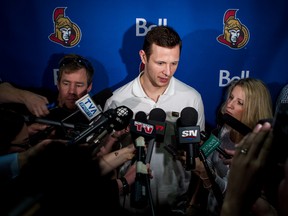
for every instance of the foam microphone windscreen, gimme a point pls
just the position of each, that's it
(141, 117)
(157, 114)
(189, 117)
(101, 97)
(122, 117)
(236, 124)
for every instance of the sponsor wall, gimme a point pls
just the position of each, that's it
(222, 41)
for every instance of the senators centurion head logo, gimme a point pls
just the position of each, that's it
(235, 34)
(66, 33)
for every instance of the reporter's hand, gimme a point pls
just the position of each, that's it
(112, 160)
(36, 104)
(246, 172)
(225, 160)
(199, 167)
(27, 156)
(131, 173)
(35, 128)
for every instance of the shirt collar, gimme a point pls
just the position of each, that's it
(138, 91)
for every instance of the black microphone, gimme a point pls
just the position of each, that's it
(120, 121)
(139, 190)
(97, 99)
(34, 119)
(234, 123)
(140, 127)
(157, 117)
(85, 105)
(101, 97)
(188, 134)
(279, 151)
(141, 133)
(117, 119)
(210, 144)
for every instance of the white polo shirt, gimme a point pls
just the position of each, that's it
(170, 180)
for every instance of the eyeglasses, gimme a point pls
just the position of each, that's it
(78, 60)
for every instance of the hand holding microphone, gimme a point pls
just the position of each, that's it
(116, 119)
(142, 133)
(157, 117)
(188, 135)
(226, 160)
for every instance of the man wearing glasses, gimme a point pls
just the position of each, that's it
(74, 80)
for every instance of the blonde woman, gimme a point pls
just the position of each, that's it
(248, 100)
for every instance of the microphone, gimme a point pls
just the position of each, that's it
(280, 134)
(140, 127)
(188, 134)
(141, 132)
(90, 110)
(211, 144)
(87, 106)
(234, 123)
(101, 97)
(98, 98)
(157, 117)
(117, 119)
(34, 119)
(139, 190)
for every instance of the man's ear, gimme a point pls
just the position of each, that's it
(143, 56)
(89, 88)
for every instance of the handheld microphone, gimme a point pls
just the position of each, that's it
(87, 106)
(117, 119)
(121, 120)
(140, 127)
(211, 144)
(101, 97)
(280, 134)
(157, 117)
(234, 123)
(139, 190)
(53, 125)
(188, 134)
(34, 119)
(141, 133)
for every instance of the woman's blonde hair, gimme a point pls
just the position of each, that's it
(257, 102)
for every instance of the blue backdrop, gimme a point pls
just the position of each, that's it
(110, 33)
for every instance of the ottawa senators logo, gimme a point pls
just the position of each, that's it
(235, 34)
(66, 33)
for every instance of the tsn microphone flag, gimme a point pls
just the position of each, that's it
(210, 145)
(88, 107)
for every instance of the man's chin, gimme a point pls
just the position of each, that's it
(70, 106)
